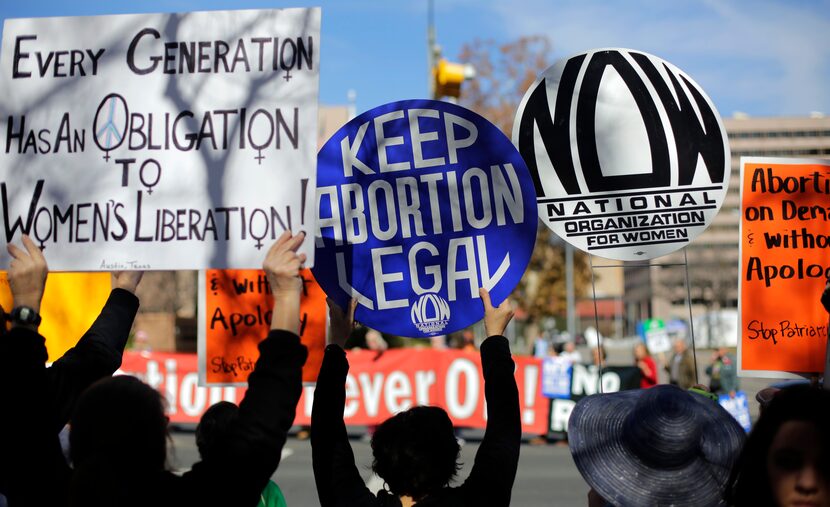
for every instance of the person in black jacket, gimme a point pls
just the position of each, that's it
(118, 430)
(415, 452)
(38, 401)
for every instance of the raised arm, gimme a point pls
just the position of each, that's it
(491, 479)
(22, 350)
(335, 474)
(99, 352)
(239, 467)
(29, 448)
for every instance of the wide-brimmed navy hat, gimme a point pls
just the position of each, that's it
(657, 446)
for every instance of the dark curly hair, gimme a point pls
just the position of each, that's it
(416, 452)
(215, 426)
(119, 423)
(749, 483)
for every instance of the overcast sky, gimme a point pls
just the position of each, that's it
(760, 57)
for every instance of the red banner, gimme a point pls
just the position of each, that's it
(377, 386)
(176, 376)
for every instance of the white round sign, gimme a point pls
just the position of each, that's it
(629, 156)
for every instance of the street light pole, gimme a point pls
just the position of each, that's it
(431, 47)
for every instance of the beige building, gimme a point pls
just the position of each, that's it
(660, 291)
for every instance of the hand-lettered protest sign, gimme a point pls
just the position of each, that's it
(785, 260)
(419, 204)
(158, 141)
(235, 308)
(656, 336)
(629, 156)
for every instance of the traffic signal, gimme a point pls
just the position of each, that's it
(448, 78)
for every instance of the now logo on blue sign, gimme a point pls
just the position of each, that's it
(420, 203)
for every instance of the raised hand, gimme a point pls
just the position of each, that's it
(27, 274)
(495, 318)
(282, 264)
(340, 323)
(127, 280)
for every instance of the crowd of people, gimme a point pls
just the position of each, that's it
(660, 445)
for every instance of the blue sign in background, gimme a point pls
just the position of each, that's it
(556, 377)
(738, 407)
(429, 190)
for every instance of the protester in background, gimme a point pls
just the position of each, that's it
(415, 452)
(215, 427)
(468, 341)
(554, 354)
(38, 401)
(785, 460)
(658, 446)
(118, 437)
(723, 373)
(596, 354)
(375, 341)
(540, 347)
(570, 353)
(681, 366)
(646, 364)
(438, 342)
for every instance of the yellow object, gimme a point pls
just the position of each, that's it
(448, 78)
(71, 304)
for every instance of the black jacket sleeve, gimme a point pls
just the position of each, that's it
(241, 464)
(494, 470)
(97, 355)
(30, 455)
(337, 478)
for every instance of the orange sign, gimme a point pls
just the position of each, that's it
(71, 303)
(785, 260)
(237, 316)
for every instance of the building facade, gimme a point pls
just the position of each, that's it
(659, 290)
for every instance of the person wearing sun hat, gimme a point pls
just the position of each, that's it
(654, 447)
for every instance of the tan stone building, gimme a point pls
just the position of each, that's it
(660, 291)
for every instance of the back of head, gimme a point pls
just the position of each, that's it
(750, 482)
(119, 424)
(416, 452)
(214, 426)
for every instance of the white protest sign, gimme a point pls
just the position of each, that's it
(629, 156)
(159, 141)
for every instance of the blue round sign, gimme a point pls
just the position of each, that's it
(420, 203)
